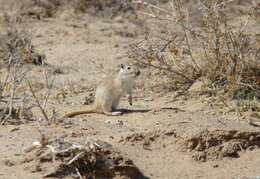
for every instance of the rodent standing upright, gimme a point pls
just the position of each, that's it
(109, 92)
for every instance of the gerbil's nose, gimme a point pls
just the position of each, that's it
(138, 73)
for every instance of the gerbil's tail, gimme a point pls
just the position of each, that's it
(75, 113)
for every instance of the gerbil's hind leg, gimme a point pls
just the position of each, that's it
(113, 113)
(108, 110)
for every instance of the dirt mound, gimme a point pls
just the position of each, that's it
(93, 159)
(218, 144)
(147, 138)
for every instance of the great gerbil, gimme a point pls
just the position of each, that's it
(109, 92)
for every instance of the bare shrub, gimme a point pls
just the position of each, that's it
(104, 8)
(42, 100)
(19, 100)
(204, 45)
(41, 8)
(16, 49)
(15, 44)
(14, 106)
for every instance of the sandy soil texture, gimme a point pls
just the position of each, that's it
(178, 137)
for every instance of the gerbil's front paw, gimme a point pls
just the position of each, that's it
(130, 101)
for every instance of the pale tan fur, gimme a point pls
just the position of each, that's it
(109, 92)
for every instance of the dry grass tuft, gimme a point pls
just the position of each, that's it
(202, 43)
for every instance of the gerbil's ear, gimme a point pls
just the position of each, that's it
(122, 66)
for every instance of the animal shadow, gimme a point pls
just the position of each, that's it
(127, 111)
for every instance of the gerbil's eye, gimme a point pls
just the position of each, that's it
(129, 68)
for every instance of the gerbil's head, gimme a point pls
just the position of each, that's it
(129, 71)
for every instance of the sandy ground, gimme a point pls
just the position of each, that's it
(89, 48)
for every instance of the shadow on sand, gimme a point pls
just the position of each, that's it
(127, 111)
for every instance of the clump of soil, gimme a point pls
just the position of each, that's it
(147, 138)
(93, 159)
(218, 144)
